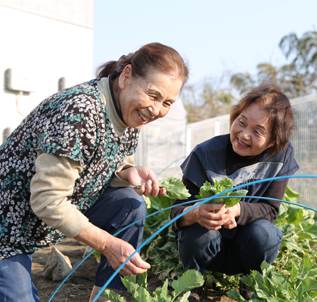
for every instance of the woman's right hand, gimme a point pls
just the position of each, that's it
(118, 251)
(205, 216)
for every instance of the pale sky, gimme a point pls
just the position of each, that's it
(212, 35)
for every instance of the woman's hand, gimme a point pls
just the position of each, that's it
(118, 251)
(145, 178)
(114, 249)
(205, 216)
(233, 213)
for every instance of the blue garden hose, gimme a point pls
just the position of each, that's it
(200, 201)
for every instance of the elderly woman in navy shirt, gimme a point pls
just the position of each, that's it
(238, 239)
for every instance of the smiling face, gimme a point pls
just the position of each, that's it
(144, 100)
(251, 131)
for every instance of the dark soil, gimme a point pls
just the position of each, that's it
(78, 286)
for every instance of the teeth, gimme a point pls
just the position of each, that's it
(243, 144)
(143, 116)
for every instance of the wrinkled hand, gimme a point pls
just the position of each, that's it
(118, 251)
(232, 213)
(146, 179)
(209, 220)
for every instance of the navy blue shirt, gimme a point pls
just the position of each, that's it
(215, 158)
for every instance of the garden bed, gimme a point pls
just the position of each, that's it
(78, 286)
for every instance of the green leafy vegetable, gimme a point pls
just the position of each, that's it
(207, 190)
(174, 188)
(140, 293)
(299, 285)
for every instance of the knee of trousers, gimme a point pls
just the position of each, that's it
(138, 203)
(198, 242)
(117, 207)
(262, 236)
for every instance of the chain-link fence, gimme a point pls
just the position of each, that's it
(305, 145)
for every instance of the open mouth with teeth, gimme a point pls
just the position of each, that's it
(243, 145)
(142, 116)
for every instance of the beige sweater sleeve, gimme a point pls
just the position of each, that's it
(116, 181)
(52, 183)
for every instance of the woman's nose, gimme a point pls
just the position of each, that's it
(155, 108)
(246, 134)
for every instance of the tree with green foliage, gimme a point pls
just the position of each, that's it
(210, 102)
(297, 78)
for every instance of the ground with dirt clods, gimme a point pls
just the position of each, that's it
(77, 288)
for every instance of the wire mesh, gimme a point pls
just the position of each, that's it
(305, 146)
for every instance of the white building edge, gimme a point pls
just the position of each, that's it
(45, 46)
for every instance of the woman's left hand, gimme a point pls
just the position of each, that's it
(145, 178)
(232, 212)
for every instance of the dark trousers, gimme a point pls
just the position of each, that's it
(234, 251)
(114, 210)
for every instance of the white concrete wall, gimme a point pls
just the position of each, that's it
(45, 50)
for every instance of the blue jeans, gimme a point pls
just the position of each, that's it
(234, 251)
(16, 280)
(115, 209)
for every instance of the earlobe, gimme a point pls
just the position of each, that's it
(125, 76)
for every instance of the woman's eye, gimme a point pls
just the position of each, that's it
(257, 132)
(241, 122)
(167, 104)
(153, 97)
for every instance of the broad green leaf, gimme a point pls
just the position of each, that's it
(312, 230)
(277, 278)
(291, 246)
(189, 280)
(230, 202)
(166, 201)
(207, 191)
(155, 203)
(306, 265)
(147, 202)
(224, 184)
(234, 294)
(308, 285)
(184, 298)
(142, 279)
(304, 235)
(295, 216)
(294, 272)
(143, 295)
(291, 195)
(288, 294)
(162, 292)
(174, 188)
(266, 268)
(263, 294)
(112, 296)
(130, 283)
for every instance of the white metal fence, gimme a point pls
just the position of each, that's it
(305, 145)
